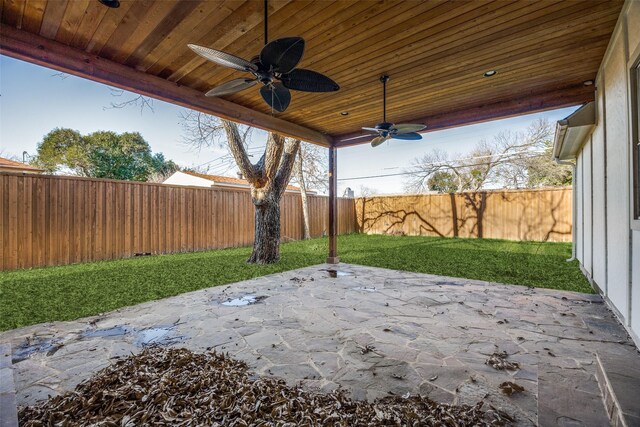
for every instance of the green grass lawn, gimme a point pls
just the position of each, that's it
(69, 292)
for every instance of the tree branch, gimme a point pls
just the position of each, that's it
(286, 166)
(314, 166)
(141, 101)
(251, 173)
(273, 154)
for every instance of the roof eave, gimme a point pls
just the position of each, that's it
(21, 168)
(572, 132)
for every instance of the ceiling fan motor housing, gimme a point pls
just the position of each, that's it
(264, 77)
(384, 126)
(262, 73)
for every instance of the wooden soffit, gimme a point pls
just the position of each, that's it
(435, 51)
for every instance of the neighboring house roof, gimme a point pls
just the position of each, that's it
(218, 180)
(7, 165)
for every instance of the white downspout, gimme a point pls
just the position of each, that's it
(574, 208)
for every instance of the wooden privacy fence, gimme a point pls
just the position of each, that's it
(52, 220)
(541, 214)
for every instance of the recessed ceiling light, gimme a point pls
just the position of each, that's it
(344, 113)
(587, 82)
(110, 3)
(490, 73)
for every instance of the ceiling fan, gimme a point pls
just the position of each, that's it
(274, 67)
(388, 130)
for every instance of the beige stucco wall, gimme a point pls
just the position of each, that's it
(608, 238)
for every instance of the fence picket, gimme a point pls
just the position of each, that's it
(54, 220)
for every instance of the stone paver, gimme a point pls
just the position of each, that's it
(8, 413)
(372, 331)
(619, 379)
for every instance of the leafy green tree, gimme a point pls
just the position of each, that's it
(163, 166)
(443, 182)
(126, 156)
(542, 171)
(102, 154)
(63, 147)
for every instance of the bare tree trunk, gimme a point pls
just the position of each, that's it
(303, 195)
(268, 179)
(266, 245)
(454, 214)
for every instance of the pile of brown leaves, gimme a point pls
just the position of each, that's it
(178, 387)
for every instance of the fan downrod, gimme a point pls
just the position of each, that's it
(384, 125)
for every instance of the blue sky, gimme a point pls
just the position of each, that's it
(33, 101)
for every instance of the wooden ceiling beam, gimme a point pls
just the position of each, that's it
(517, 105)
(41, 51)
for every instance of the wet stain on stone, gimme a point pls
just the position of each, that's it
(158, 335)
(115, 331)
(35, 345)
(244, 300)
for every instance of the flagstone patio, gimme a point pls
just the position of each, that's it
(370, 330)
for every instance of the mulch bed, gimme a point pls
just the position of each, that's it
(176, 387)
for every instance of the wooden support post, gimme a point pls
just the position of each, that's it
(333, 207)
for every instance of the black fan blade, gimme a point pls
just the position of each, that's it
(282, 55)
(223, 58)
(232, 86)
(308, 81)
(277, 96)
(411, 136)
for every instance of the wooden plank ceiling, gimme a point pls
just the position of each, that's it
(435, 52)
